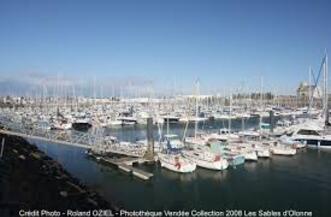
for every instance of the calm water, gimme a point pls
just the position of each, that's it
(302, 182)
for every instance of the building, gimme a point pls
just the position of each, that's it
(305, 92)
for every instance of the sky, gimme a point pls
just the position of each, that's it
(162, 46)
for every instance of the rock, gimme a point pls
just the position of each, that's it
(64, 193)
(91, 201)
(22, 157)
(76, 187)
(36, 155)
(32, 178)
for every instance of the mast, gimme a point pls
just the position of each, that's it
(58, 95)
(326, 98)
(168, 120)
(45, 98)
(230, 113)
(196, 108)
(101, 91)
(74, 100)
(94, 92)
(309, 88)
(261, 100)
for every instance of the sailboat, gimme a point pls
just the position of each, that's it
(281, 149)
(175, 162)
(205, 158)
(198, 140)
(222, 149)
(170, 156)
(312, 132)
(240, 148)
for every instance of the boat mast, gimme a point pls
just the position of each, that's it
(168, 118)
(309, 88)
(94, 92)
(196, 108)
(326, 110)
(230, 113)
(261, 100)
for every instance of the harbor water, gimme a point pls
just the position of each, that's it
(301, 182)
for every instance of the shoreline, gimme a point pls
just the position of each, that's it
(32, 180)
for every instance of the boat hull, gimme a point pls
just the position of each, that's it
(221, 164)
(283, 151)
(179, 166)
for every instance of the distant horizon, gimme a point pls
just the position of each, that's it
(69, 95)
(160, 48)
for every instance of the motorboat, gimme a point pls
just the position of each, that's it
(291, 142)
(312, 134)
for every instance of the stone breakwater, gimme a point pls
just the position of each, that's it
(29, 180)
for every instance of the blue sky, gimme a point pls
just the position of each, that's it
(226, 44)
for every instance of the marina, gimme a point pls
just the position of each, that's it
(165, 108)
(234, 186)
(191, 145)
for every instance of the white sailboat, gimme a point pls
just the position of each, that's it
(205, 159)
(283, 150)
(239, 148)
(176, 163)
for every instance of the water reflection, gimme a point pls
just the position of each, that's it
(275, 183)
(137, 132)
(251, 166)
(182, 177)
(217, 176)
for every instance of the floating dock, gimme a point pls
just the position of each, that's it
(125, 164)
